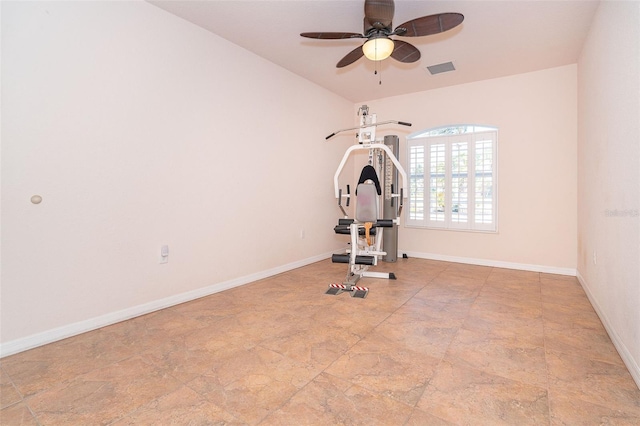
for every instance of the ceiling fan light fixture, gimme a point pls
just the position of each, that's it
(377, 49)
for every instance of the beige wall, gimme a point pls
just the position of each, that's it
(139, 129)
(536, 117)
(609, 173)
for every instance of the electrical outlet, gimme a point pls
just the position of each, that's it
(164, 254)
(595, 258)
(302, 234)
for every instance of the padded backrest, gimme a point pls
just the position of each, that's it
(369, 173)
(367, 203)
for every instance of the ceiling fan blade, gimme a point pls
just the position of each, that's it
(351, 57)
(405, 52)
(379, 13)
(432, 24)
(331, 36)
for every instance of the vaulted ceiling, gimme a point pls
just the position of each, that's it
(497, 38)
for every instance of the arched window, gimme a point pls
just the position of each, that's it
(453, 178)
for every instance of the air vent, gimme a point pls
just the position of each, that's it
(440, 68)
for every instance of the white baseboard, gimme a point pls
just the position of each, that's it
(627, 358)
(494, 263)
(59, 333)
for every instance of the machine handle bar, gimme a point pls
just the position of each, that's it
(402, 123)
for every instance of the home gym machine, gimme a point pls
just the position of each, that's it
(373, 229)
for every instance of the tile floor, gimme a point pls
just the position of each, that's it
(443, 344)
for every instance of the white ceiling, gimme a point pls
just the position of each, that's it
(497, 38)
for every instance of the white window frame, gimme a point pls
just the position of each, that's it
(425, 140)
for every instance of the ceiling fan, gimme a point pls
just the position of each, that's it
(378, 15)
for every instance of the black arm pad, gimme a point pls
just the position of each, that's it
(384, 223)
(346, 230)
